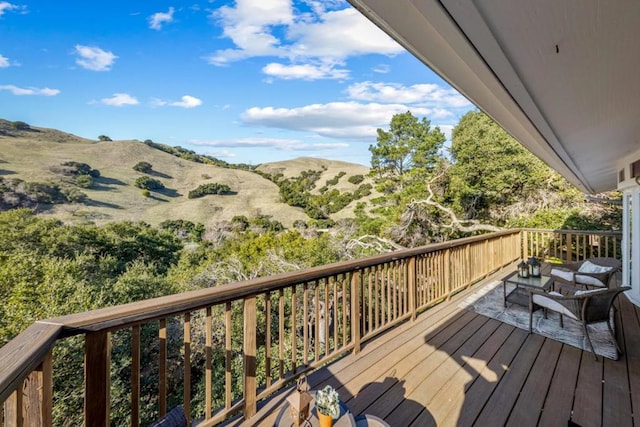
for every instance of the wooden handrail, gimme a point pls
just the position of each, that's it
(24, 353)
(372, 294)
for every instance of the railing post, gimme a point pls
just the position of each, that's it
(97, 351)
(250, 356)
(355, 310)
(569, 248)
(412, 283)
(13, 409)
(38, 395)
(525, 239)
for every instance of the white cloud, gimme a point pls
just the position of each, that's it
(348, 120)
(427, 94)
(304, 71)
(4, 62)
(315, 43)
(29, 90)
(187, 102)
(119, 100)
(277, 143)
(93, 58)
(158, 19)
(8, 7)
(381, 69)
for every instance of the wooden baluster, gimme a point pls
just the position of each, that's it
(316, 322)
(249, 356)
(345, 308)
(370, 303)
(31, 404)
(305, 323)
(97, 378)
(162, 368)
(411, 284)
(377, 292)
(267, 310)
(326, 317)
(187, 368)
(135, 375)
(228, 356)
(208, 364)
(355, 310)
(335, 313)
(281, 334)
(294, 343)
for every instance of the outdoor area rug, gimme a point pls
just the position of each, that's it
(489, 301)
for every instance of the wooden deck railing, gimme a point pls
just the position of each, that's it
(224, 349)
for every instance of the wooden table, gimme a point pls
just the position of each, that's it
(520, 294)
(345, 419)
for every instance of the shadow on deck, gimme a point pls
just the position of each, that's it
(452, 367)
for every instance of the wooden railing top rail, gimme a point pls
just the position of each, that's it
(598, 232)
(24, 353)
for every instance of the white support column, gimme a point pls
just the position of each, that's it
(635, 243)
(626, 238)
(631, 243)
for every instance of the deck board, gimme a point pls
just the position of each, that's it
(451, 367)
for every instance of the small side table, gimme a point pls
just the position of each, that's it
(345, 419)
(520, 295)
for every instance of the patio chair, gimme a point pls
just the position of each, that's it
(599, 272)
(584, 306)
(368, 420)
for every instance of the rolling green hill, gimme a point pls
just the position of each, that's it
(35, 155)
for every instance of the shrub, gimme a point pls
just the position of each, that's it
(18, 125)
(211, 188)
(144, 167)
(149, 183)
(104, 138)
(84, 181)
(77, 168)
(146, 193)
(356, 179)
(73, 195)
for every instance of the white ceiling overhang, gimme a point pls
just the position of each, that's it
(560, 76)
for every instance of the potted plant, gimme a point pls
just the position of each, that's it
(328, 405)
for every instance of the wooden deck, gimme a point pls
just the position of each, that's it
(452, 367)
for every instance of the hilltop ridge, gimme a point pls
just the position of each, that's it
(34, 154)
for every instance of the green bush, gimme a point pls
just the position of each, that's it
(146, 193)
(84, 181)
(356, 179)
(19, 125)
(144, 167)
(149, 183)
(211, 188)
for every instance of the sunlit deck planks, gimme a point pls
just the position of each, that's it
(452, 367)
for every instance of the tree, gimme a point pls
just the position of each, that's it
(104, 138)
(492, 172)
(409, 145)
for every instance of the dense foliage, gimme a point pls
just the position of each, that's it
(209, 188)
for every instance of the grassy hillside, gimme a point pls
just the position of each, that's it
(31, 155)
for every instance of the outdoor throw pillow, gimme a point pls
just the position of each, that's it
(589, 267)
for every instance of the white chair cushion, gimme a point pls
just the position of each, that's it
(589, 267)
(589, 291)
(563, 274)
(553, 305)
(589, 280)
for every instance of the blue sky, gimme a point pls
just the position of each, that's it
(249, 81)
